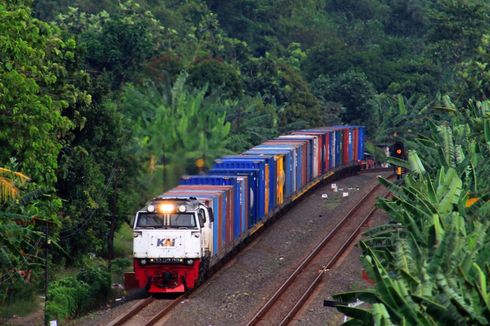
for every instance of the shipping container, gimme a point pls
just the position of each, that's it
(345, 146)
(294, 149)
(270, 179)
(250, 208)
(278, 182)
(360, 155)
(283, 158)
(311, 159)
(233, 230)
(301, 158)
(322, 144)
(351, 144)
(338, 147)
(355, 146)
(288, 172)
(315, 154)
(210, 199)
(252, 162)
(222, 211)
(334, 146)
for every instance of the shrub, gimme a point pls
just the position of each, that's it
(119, 265)
(66, 298)
(98, 280)
(123, 241)
(71, 295)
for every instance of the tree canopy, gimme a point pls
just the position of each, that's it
(104, 104)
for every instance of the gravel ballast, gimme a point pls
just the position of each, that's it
(238, 289)
(234, 294)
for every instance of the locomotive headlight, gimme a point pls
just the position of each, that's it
(189, 261)
(182, 208)
(150, 208)
(143, 261)
(166, 208)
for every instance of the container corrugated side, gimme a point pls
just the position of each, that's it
(252, 162)
(233, 230)
(287, 169)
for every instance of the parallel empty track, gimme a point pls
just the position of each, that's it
(138, 309)
(282, 306)
(288, 299)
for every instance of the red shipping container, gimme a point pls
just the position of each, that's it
(327, 151)
(319, 136)
(219, 217)
(356, 144)
(345, 146)
(228, 222)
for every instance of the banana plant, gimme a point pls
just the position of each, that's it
(430, 263)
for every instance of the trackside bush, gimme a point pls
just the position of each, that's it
(99, 281)
(72, 295)
(66, 298)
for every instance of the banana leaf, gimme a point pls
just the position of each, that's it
(435, 309)
(482, 286)
(448, 190)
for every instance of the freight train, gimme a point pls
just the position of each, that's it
(181, 234)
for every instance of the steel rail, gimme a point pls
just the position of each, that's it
(378, 169)
(294, 310)
(165, 311)
(132, 312)
(266, 307)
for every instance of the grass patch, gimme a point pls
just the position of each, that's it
(123, 251)
(19, 307)
(334, 199)
(123, 241)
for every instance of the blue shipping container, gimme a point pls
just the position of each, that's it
(253, 186)
(249, 163)
(220, 180)
(271, 163)
(288, 162)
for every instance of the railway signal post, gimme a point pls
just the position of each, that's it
(398, 151)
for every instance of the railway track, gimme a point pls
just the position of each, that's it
(283, 305)
(130, 317)
(377, 169)
(302, 281)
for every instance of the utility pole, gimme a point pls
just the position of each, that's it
(163, 167)
(46, 276)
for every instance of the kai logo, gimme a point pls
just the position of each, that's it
(166, 242)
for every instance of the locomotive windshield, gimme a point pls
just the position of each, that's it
(153, 220)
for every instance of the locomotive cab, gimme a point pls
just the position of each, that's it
(172, 244)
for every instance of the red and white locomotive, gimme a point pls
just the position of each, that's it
(172, 239)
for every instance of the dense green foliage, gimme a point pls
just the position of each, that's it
(72, 295)
(104, 104)
(430, 263)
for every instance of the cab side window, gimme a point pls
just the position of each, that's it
(202, 217)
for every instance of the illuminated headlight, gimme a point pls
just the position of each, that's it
(189, 261)
(143, 261)
(150, 208)
(166, 208)
(182, 208)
